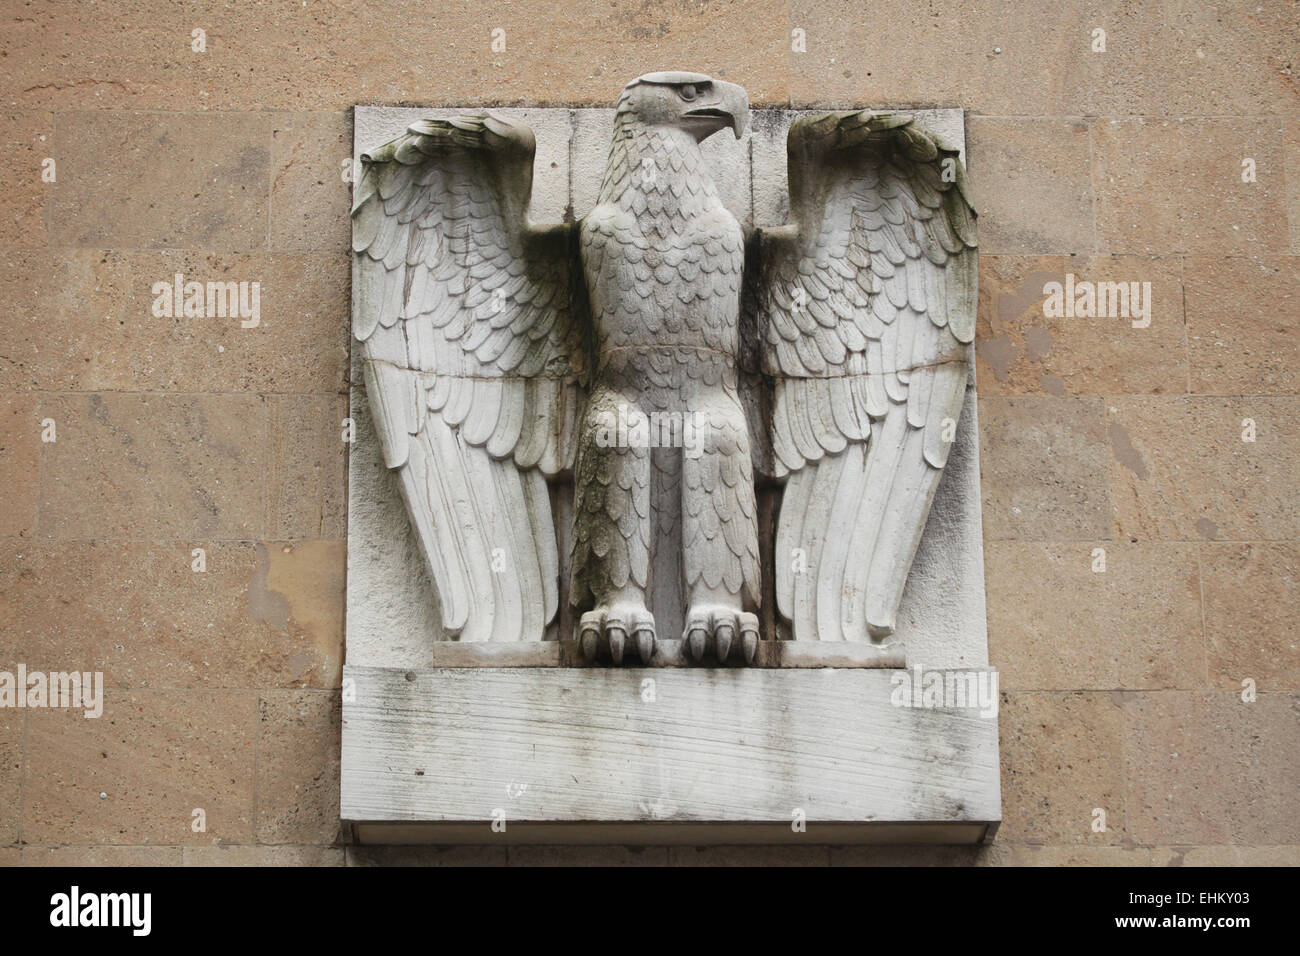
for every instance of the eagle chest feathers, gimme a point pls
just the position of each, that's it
(662, 255)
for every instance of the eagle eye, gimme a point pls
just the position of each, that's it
(688, 92)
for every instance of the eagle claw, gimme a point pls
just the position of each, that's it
(715, 629)
(602, 632)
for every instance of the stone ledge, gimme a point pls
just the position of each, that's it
(668, 653)
(600, 755)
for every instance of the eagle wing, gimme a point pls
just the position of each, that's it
(865, 306)
(474, 351)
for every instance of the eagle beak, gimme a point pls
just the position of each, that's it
(728, 105)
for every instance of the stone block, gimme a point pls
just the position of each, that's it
(1021, 350)
(1032, 184)
(1180, 469)
(298, 767)
(1043, 469)
(1243, 321)
(156, 757)
(1135, 624)
(1209, 768)
(162, 180)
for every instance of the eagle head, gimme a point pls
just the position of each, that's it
(694, 102)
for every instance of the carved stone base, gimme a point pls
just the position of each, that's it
(647, 755)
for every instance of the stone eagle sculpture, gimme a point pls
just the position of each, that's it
(502, 357)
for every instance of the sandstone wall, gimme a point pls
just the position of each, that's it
(1122, 688)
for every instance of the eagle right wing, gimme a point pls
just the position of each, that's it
(866, 309)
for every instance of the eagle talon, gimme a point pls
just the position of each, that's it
(617, 638)
(724, 632)
(749, 636)
(643, 632)
(589, 634)
(697, 638)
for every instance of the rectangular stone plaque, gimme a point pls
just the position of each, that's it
(441, 739)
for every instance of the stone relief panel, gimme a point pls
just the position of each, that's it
(596, 405)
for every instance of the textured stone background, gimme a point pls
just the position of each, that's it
(1122, 689)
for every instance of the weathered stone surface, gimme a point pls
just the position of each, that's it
(1251, 618)
(305, 482)
(24, 148)
(1226, 855)
(1175, 186)
(1134, 625)
(1062, 759)
(11, 760)
(323, 56)
(1187, 59)
(1212, 769)
(64, 312)
(852, 55)
(329, 56)
(297, 591)
(1032, 185)
(267, 615)
(259, 614)
(102, 856)
(20, 450)
(295, 339)
(263, 856)
(1291, 151)
(1013, 60)
(1043, 469)
(1000, 854)
(1181, 471)
(154, 466)
(1022, 351)
(156, 756)
(162, 180)
(1243, 325)
(62, 62)
(309, 192)
(298, 767)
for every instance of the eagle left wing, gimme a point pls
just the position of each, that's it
(865, 305)
(471, 327)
